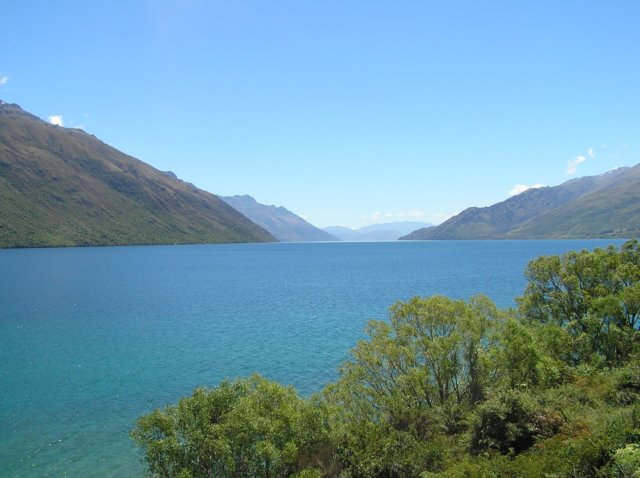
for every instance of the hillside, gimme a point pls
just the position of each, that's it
(64, 187)
(610, 211)
(279, 221)
(607, 205)
(390, 231)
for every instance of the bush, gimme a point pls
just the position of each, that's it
(511, 422)
(627, 384)
(627, 461)
(245, 428)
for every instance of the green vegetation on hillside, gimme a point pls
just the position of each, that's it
(445, 388)
(595, 206)
(63, 187)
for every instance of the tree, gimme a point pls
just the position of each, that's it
(412, 379)
(594, 295)
(245, 428)
(430, 354)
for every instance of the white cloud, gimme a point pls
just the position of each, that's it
(520, 188)
(416, 214)
(378, 217)
(56, 120)
(572, 164)
(517, 189)
(4, 79)
(591, 153)
(438, 217)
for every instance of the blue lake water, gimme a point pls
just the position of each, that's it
(91, 338)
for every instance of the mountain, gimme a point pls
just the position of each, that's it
(607, 205)
(389, 231)
(64, 187)
(341, 232)
(282, 223)
(612, 211)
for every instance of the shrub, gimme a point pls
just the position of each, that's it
(511, 422)
(249, 428)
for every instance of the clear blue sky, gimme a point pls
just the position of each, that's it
(348, 112)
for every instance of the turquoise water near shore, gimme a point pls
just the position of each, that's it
(91, 338)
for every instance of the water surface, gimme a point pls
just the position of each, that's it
(91, 338)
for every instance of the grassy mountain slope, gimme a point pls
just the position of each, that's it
(610, 211)
(63, 187)
(584, 207)
(279, 221)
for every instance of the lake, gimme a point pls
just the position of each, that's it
(91, 338)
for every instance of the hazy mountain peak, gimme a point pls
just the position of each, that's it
(389, 231)
(278, 220)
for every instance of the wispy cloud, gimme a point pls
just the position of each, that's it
(520, 188)
(4, 79)
(411, 215)
(572, 164)
(56, 120)
(414, 214)
(376, 216)
(437, 217)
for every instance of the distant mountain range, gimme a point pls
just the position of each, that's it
(376, 232)
(63, 187)
(607, 205)
(289, 227)
(282, 223)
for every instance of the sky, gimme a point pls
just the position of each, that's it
(345, 112)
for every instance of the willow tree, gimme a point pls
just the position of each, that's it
(411, 380)
(249, 428)
(593, 295)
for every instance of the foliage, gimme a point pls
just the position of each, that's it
(444, 388)
(412, 381)
(432, 354)
(594, 296)
(245, 428)
(627, 461)
(512, 422)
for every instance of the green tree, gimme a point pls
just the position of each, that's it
(594, 295)
(411, 380)
(245, 428)
(432, 353)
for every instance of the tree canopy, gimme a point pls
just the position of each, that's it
(594, 296)
(242, 428)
